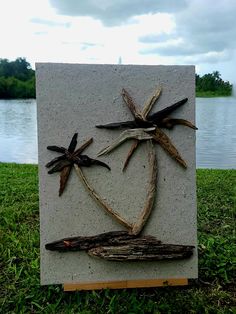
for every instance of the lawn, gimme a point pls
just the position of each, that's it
(19, 255)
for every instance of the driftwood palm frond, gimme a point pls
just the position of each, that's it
(145, 127)
(70, 157)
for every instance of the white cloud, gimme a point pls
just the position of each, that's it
(201, 29)
(141, 32)
(116, 12)
(49, 22)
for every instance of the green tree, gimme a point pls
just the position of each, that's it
(213, 85)
(17, 79)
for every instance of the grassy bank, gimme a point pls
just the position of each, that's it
(212, 94)
(19, 255)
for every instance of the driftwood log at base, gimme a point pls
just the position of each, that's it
(122, 246)
(135, 251)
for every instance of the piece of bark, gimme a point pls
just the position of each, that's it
(88, 242)
(160, 137)
(64, 176)
(82, 148)
(150, 102)
(169, 123)
(131, 151)
(138, 134)
(131, 105)
(144, 251)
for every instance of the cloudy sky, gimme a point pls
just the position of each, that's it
(200, 32)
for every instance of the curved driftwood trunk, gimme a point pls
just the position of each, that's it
(137, 227)
(100, 201)
(148, 206)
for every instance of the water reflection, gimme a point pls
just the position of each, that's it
(216, 136)
(215, 118)
(18, 131)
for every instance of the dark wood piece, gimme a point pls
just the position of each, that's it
(141, 250)
(86, 243)
(122, 246)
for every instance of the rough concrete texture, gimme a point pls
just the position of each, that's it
(74, 98)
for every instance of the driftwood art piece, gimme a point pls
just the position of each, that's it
(124, 245)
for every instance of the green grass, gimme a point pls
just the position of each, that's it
(21, 292)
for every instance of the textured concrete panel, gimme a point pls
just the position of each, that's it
(74, 98)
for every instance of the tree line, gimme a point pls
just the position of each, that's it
(211, 84)
(17, 80)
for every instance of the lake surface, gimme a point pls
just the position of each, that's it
(216, 135)
(18, 131)
(215, 119)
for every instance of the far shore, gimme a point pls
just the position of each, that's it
(198, 95)
(211, 94)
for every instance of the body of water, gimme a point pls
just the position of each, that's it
(216, 134)
(18, 131)
(215, 119)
